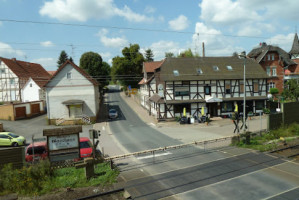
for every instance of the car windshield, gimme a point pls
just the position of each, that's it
(112, 111)
(37, 150)
(85, 144)
(13, 135)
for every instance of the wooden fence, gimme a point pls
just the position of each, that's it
(14, 155)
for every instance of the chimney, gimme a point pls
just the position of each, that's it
(203, 49)
(14, 59)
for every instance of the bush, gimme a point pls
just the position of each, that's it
(274, 91)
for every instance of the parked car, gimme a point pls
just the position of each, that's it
(11, 139)
(41, 150)
(113, 114)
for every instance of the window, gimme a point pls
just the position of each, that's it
(229, 68)
(180, 107)
(269, 56)
(75, 111)
(199, 71)
(12, 81)
(259, 105)
(69, 75)
(272, 56)
(182, 90)
(255, 86)
(176, 72)
(30, 84)
(207, 90)
(241, 87)
(227, 88)
(274, 71)
(227, 107)
(2, 71)
(268, 71)
(215, 68)
(271, 85)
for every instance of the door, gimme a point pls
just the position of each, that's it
(212, 109)
(35, 109)
(20, 112)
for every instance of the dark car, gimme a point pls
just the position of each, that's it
(113, 114)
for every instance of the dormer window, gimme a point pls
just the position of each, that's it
(215, 68)
(69, 75)
(199, 71)
(229, 68)
(176, 72)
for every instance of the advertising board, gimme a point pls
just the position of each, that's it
(63, 142)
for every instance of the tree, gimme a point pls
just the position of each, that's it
(62, 58)
(291, 92)
(188, 53)
(149, 55)
(71, 59)
(92, 63)
(128, 69)
(169, 55)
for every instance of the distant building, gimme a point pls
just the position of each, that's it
(278, 64)
(72, 95)
(21, 81)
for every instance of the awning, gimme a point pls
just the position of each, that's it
(213, 100)
(73, 102)
(156, 98)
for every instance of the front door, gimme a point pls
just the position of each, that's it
(212, 109)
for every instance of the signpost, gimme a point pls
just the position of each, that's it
(63, 143)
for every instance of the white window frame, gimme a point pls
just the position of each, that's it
(272, 56)
(268, 70)
(269, 57)
(274, 71)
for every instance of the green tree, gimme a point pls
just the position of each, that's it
(128, 68)
(92, 63)
(291, 92)
(63, 57)
(188, 53)
(169, 55)
(149, 55)
(71, 59)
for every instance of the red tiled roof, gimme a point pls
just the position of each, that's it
(25, 70)
(151, 66)
(51, 72)
(81, 71)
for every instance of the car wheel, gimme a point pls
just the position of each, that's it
(15, 144)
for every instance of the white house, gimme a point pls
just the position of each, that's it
(21, 81)
(72, 95)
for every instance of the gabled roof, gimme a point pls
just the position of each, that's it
(25, 70)
(151, 66)
(81, 71)
(295, 47)
(259, 53)
(188, 67)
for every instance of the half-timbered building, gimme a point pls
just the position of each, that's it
(215, 83)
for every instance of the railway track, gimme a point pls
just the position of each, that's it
(289, 151)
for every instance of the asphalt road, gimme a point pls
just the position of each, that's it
(196, 172)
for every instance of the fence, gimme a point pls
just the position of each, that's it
(14, 155)
(275, 121)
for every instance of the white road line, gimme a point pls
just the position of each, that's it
(103, 128)
(281, 193)
(156, 155)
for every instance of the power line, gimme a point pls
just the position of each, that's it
(126, 28)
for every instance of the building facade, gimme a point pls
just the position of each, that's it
(214, 83)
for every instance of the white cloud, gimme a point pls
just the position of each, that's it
(48, 63)
(283, 41)
(215, 43)
(159, 49)
(105, 55)
(7, 51)
(113, 41)
(78, 10)
(227, 12)
(47, 44)
(149, 9)
(179, 23)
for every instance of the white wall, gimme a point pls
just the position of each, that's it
(7, 89)
(30, 91)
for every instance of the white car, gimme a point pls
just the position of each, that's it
(113, 114)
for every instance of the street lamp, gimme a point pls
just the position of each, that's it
(243, 55)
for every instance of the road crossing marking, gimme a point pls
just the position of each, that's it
(155, 155)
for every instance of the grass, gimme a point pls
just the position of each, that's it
(270, 141)
(41, 179)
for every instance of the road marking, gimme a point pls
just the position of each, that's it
(103, 128)
(152, 124)
(155, 155)
(281, 193)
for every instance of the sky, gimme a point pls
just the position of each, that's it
(37, 31)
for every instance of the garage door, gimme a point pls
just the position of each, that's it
(20, 112)
(35, 109)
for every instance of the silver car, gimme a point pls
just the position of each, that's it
(113, 114)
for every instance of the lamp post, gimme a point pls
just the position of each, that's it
(243, 55)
